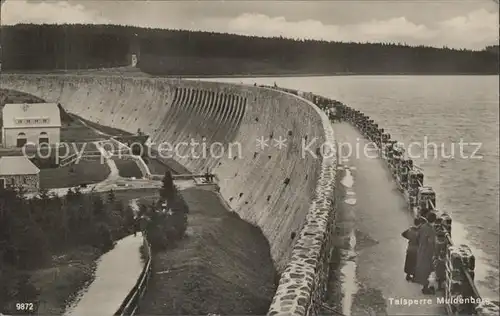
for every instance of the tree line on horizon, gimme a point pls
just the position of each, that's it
(182, 52)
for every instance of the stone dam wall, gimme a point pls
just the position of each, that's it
(287, 194)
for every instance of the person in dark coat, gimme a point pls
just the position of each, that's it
(411, 252)
(425, 252)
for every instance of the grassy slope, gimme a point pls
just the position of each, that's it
(85, 172)
(156, 167)
(223, 266)
(128, 168)
(60, 283)
(10, 96)
(104, 129)
(77, 132)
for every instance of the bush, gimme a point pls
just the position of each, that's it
(168, 189)
(30, 249)
(168, 220)
(19, 288)
(156, 229)
(178, 219)
(102, 237)
(32, 231)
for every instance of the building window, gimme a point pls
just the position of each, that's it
(19, 121)
(43, 138)
(21, 139)
(45, 120)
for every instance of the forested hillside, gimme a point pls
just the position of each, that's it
(177, 52)
(44, 47)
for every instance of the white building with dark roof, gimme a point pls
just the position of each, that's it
(19, 171)
(34, 123)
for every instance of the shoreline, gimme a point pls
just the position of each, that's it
(222, 76)
(317, 75)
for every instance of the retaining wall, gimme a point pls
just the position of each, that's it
(287, 194)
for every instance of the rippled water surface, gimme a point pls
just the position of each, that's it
(441, 110)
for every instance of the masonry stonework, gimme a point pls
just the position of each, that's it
(29, 182)
(303, 283)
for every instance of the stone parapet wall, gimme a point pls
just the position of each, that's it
(460, 294)
(453, 264)
(303, 283)
(487, 308)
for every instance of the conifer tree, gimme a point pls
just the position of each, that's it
(168, 190)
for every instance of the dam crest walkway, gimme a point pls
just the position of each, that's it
(373, 214)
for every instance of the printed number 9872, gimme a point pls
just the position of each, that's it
(25, 306)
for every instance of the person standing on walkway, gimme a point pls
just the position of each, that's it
(425, 253)
(411, 252)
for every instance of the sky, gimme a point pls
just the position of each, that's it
(470, 24)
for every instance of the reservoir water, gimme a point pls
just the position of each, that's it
(446, 118)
